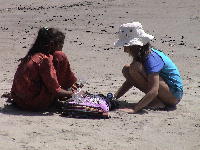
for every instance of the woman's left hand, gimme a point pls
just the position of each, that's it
(128, 110)
(75, 86)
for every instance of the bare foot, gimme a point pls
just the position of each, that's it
(128, 110)
(156, 105)
(8, 96)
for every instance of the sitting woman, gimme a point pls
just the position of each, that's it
(44, 74)
(151, 71)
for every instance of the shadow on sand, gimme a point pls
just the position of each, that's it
(124, 104)
(12, 109)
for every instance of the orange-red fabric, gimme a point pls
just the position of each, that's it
(65, 76)
(37, 81)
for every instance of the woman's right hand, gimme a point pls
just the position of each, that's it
(79, 92)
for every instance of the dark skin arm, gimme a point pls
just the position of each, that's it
(68, 93)
(64, 93)
(153, 86)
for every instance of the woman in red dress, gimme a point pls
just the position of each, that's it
(44, 74)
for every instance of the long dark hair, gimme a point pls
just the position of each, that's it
(142, 52)
(45, 37)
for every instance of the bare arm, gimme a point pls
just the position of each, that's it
(68, 93)
(123, 89)
(153, 86)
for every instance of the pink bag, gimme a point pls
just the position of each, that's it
(89, 105)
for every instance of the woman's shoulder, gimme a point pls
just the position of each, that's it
(153, 60)
(156, 50)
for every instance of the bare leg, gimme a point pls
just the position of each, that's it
(127, 84)
(138, 78)
(156, 104)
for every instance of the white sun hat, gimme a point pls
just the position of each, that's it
(132, 34)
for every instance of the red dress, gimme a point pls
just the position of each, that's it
(37, 81)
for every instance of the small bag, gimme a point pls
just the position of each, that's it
(87, 106)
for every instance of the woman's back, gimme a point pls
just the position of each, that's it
(35, 80)
(27, 79)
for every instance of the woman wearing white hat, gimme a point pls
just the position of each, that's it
(151, 71)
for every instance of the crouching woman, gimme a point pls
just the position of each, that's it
(151, 71)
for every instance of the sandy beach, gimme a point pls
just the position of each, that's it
(90, 28)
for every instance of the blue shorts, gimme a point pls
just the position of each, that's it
(177, 92)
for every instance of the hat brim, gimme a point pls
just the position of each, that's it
(121, 43)
(135, 41)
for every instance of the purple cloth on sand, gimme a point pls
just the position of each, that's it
(94, 101)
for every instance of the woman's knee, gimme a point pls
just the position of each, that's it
(125, 71)
(136, 66)
(129, 70)
(59, 55)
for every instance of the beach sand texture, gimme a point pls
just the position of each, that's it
(90, 28)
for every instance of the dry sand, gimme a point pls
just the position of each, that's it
(90, 28)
